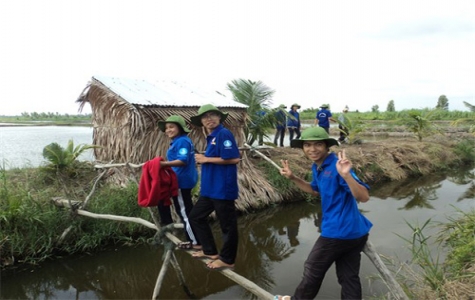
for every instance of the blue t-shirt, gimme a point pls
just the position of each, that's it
(322, 116)
(341, 217)
(181, 148)
(220, 181)
(293, 122)
(280, 119)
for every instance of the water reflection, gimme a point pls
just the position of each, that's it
(421, 191)
(272, 248)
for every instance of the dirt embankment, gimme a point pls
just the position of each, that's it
(385, 160)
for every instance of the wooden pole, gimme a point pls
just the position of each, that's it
(180, 276)
(369, 250)
(163, 270)
(393, 285)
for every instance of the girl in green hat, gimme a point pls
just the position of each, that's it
(181, 158)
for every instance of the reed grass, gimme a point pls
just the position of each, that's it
(31, 224)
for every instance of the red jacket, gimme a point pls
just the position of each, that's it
(157, 184)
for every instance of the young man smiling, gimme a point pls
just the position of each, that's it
(344, 230)
(219, 189)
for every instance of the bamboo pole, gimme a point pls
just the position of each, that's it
(263, 156)
(393, 285)
(242, 281)
(180, 276)
(369, 250)
(163, 271)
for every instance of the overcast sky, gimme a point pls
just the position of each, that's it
(355, 53)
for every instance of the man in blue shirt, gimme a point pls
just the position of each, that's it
(218, 190)
(344, 230)
(323, 118)
(293, 122)
(280, 125)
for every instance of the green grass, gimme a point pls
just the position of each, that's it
(32, 225)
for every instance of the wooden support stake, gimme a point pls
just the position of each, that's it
(393, 285)
(161, 275)
(180, 276)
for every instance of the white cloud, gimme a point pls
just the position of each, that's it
(356, 53)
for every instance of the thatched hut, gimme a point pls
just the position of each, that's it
(125, 113)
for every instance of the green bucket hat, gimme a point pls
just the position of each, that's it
(295, 104)
(314, 134)
(174, 119)
(196, 120)
(324, 105)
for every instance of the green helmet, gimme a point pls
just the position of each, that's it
(314, 134)
(196, 120)
(174, 119)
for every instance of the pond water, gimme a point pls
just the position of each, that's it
(273, 246)
(22, 146)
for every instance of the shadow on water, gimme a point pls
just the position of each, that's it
(273, 246)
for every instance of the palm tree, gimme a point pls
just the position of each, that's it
(257, 96)
(60, 158)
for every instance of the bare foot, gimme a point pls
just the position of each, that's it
(197, 247)
(219, 265)
(279, 297)
(200, 254)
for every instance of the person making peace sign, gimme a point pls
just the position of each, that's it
(344, 230)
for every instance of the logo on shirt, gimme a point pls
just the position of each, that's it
(213, 141)
(227, 143)
(183, 151)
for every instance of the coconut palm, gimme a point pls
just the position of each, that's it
(257, 96)
(60, 158)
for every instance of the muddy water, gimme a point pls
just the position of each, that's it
(273, 246)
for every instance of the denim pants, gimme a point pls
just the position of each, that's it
(346, 254)
(227, 217)
(279, 137)
(293, 130)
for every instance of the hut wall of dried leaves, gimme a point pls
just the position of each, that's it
(128, 132)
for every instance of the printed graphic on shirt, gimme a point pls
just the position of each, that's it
(227, 144)
(183, 151)
(213, 141)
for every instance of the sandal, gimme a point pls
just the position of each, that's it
(185, 246)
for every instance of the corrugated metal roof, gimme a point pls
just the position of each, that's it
(164, 93)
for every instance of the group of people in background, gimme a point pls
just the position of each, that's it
(291, 120)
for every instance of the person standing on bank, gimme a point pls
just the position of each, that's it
(344, 230)
(342, 125)
(219, 189)
(181, 158)
(323, 118)
(293, 122)
(280, 125)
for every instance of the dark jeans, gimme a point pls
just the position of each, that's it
(346, 254)
(293, 130)
(327, 129)
(279, 135)
(227, 217)
(165, 214)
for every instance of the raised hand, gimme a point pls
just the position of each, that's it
(343, 164)
(285, 171)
